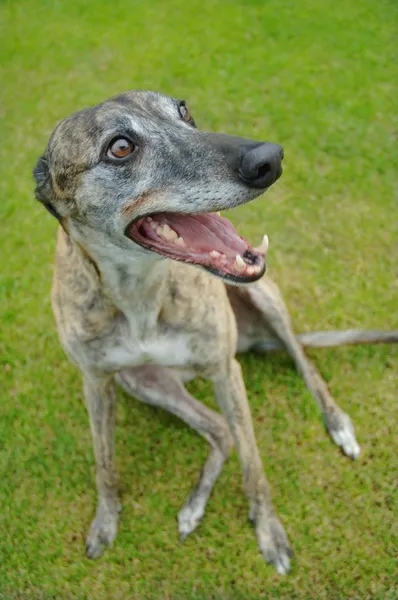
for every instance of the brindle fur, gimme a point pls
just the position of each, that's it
(127, 315)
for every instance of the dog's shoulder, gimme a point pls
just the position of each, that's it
(81, 307)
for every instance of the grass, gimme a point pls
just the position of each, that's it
(321, 79)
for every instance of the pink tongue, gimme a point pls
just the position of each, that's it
(206, 232)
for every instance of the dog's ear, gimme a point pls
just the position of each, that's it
(44, 191)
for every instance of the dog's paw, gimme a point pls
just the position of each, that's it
(273, 543)
(342, 431)
(189, 518)
(103, 530)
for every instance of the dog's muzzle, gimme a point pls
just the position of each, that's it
(257, 164)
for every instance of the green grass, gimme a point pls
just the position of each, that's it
(321, 79)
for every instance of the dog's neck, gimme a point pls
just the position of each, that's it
(133, 278)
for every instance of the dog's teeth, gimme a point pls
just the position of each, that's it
(263, 247)
(169, 233)
(149, 219)
(257, 268)
(180, 241)
(215, 254)
(173, 235)
(250, 270)
(239, 261)
(153, 225)
(165, 232)
(239, 264)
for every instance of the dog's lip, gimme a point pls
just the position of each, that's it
(235, 278)
(232, 258)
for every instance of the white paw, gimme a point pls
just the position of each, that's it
(189, 518)
(343, 435)
(274, 544)
(282, 564)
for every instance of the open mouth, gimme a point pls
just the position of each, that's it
(207, 240)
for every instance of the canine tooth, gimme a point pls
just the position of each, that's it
(257, 268)
(239, 261)
(263, 247)
(215, 254)
(149, 219)
(180, 241)
(250, 271)
(153, 225)
(239, 264)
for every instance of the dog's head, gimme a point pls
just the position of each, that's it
(136, 170)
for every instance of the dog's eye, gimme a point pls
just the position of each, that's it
(120, 148)
(184, 112)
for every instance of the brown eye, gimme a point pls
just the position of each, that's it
(184, 112)
(120, 148)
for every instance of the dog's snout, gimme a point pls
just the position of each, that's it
(261, 166)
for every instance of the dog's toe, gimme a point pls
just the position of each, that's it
(273, 543)
(102, 531)
(346, 440)
(94, 547)
(342, 432)
(189, 518)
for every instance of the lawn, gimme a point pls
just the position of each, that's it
(320, 78)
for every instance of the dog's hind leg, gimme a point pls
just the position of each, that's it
(231, 396)
(159, 387)
(261, 313)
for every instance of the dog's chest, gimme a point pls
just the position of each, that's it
(163, 349)
(159, 352)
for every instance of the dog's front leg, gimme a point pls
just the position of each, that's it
(99, 395)
(231, 397)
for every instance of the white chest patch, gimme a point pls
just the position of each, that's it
(165, 351)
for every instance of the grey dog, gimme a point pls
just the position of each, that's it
(137, 188)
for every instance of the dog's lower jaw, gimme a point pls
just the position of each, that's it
(206, 240)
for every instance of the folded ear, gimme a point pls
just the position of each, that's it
(44, 191)
(41, 171)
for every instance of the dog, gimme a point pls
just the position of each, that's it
(153, 287)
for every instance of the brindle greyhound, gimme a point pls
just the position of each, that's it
(134, 184)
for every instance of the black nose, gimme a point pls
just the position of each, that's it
(261, 166)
